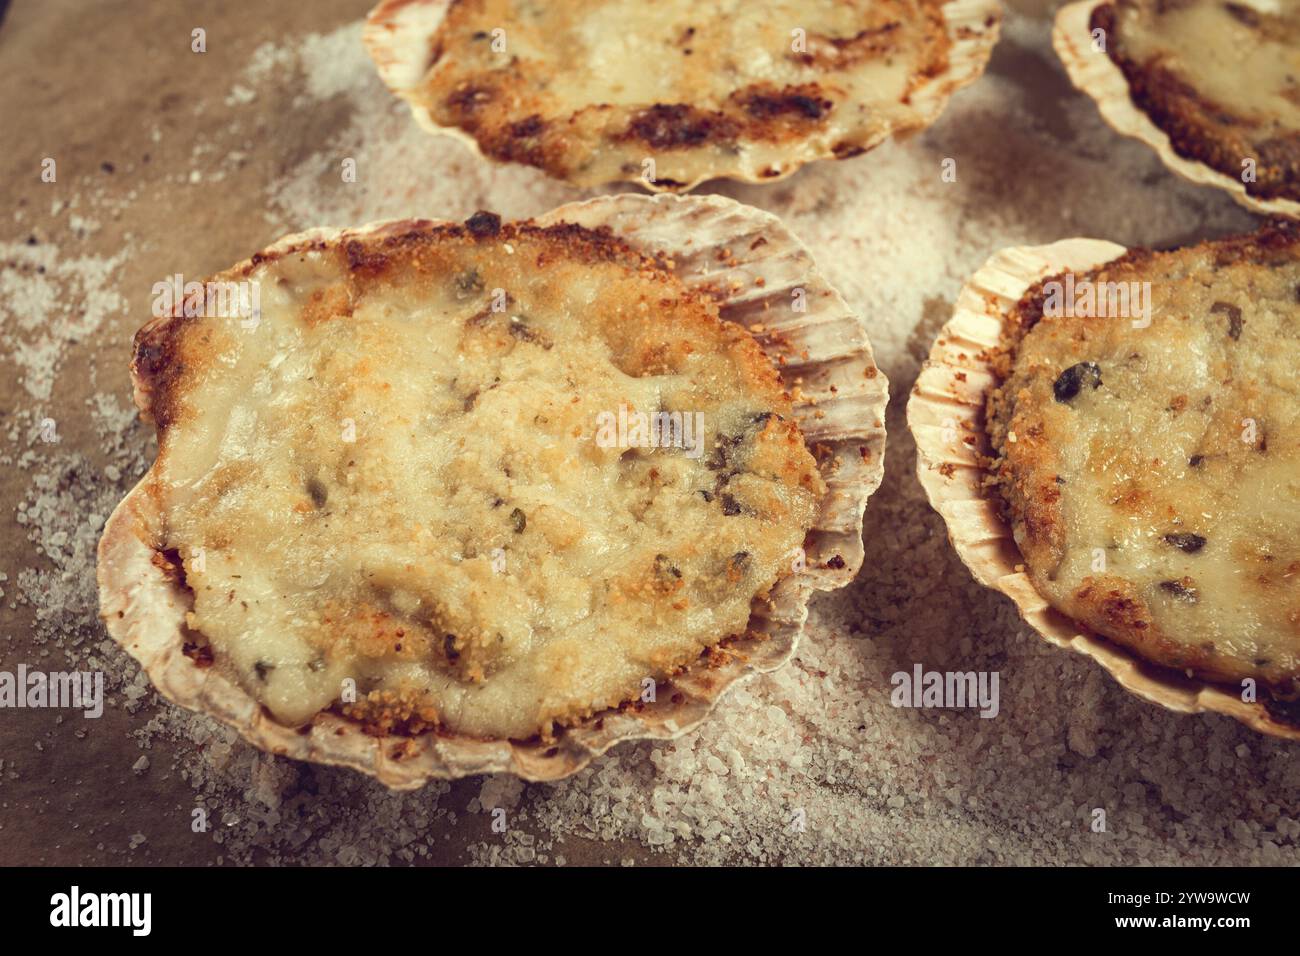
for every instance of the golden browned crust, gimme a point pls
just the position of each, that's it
(1198, 127)
(177, 355)
(1036, 455)
(158, 359)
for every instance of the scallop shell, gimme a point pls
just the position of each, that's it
(1096, 74)
(840, 404)
(947, 405)
(397, 35)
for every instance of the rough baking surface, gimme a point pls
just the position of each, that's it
(1149, 470)
(487, 478)
(678, 91)
(1222, 79)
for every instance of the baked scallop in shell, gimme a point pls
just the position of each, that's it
(672, 93)
(1212, 86)
(444, 498)
(1110, 436)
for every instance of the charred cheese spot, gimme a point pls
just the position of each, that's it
(395, 479)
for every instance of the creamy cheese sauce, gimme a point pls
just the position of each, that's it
(389, 483)
(1243, 56)
(588, 71)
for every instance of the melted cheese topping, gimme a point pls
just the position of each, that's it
(1244, 56)
(590, 92)
(1154, 473)
(1221, 78)
(398, 479)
